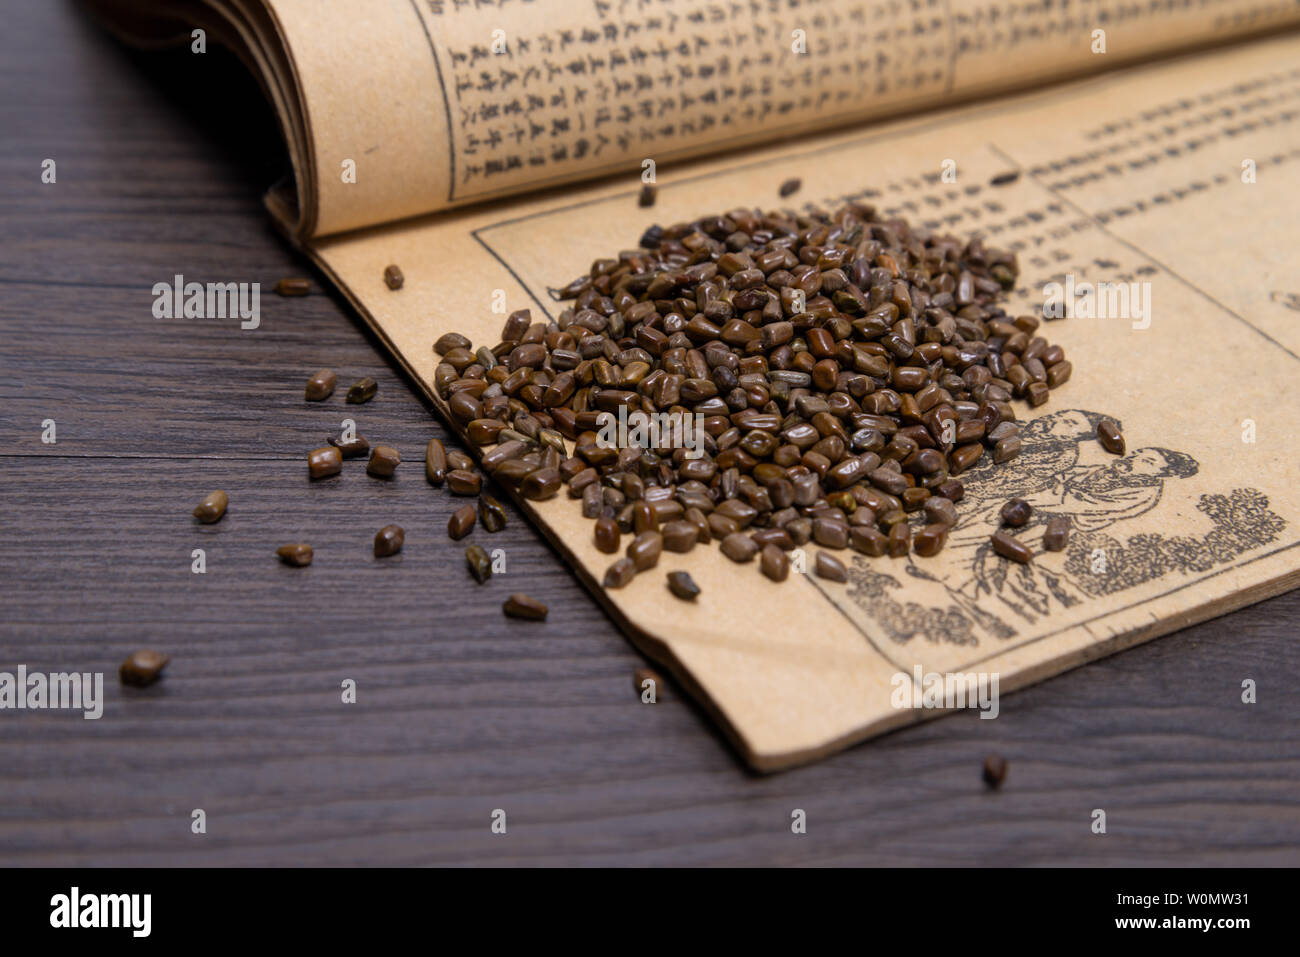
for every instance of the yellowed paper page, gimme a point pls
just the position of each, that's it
(1178, 176)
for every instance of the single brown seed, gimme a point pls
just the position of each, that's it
(389, 541)
(620, 573)
(292, 287)
(324, 462)
(321, 385)
(297, 555)
(829, 567)
(773, 563)
(1057, 534)
(521, 606)
(995, 770)
(480, 565)
(491, 513)
(142, 668)
(1008, 547)
(457, 459)
(384, 460)
(1110, 437)
(607, 535)
(542, 484)
(648, 195)
(900, 540)
(212, 507)
(462, 482)
(679, 536)
(435, 462)
(461, 522)
(1016, 513)
(683, 586)
(739, 547)
(393, 277)
(648, 685)
(354, 449)
(645, 550)
(363, 390)
(930, 540)
(868, 541)
(790, 186)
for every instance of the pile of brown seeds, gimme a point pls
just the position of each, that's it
(848, 369)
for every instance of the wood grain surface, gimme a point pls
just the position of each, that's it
(161, 160)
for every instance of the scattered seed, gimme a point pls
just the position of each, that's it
(358, 447)
(995, 770)
(930, 540)
(393, 277)
(491, 513)
(480, 565)
(607, 535)
(212, 507)
(435, 462)
(362, 391)
(773, 563)
(739, 547)
(620, 573)
(790, 186)
(142, 668)
(828, 566)
(1008, 547)
(383, 461)
(461, 522)
(1057, 534)
(292, 287)
(389, 541)
(1110, 437)
(683, 586)
(462, 482)
(645, 550)
(298, 555)
(321, 385)
(1016, 513)
(521, 606)
(324, 462)
(648, 195)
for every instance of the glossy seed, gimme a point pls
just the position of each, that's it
(1008, 547)
(829, 567)
(353, 449)
(435, 462)
(773, 563)
(321, 385)
(645, 550)
(480, 565)
(384, 460)
(1057, 534)
(297, 555)
(1110, 437)
(900, 540)
(995, 771)
(292, 287)
(212, 507)
(739, 547)
(389, 540)
(324, 462)
(491, 513)
(620, 573)
(542, 484)
(1016, 513)
(930, 540)
(679, 536)
(142, 668)
(463, 482)
(521, 606)
(461, 522)
(607, 535)
(363, 390)
(450, 341)
(790, 186)
(393, 277)
(683, 586)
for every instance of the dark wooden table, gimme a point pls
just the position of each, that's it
(161, 160)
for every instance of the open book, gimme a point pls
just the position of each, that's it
(1106, 143)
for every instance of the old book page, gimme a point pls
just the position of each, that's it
(1177, 177)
